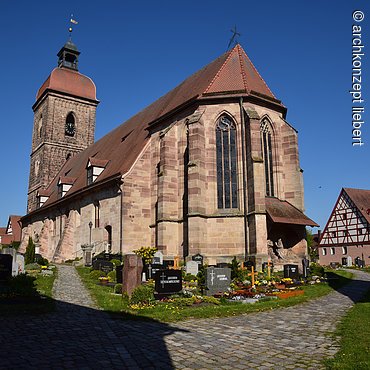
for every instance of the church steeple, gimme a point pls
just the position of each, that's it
(68, 56)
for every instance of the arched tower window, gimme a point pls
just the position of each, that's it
(70, 127)
(266, 138)
(227, 194)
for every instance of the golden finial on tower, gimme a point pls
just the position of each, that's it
(70, 29)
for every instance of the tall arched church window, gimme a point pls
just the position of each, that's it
(70, 127)
(227, 194)
(266, 138)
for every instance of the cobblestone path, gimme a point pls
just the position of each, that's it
(78, 336)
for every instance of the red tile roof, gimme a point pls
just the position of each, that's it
(283, 212)
(361, 199)
(69, 81)
(231, 73)
(95, 162)
(16, 230)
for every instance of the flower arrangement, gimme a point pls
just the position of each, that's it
(146, 253)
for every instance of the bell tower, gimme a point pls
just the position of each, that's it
(64, 121)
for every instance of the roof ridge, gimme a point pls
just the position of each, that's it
(219, 71)
(255, 69)
(244, 77)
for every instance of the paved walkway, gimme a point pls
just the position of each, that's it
(78, 336)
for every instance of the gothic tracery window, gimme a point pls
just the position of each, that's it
(266, 138)
(227, 195)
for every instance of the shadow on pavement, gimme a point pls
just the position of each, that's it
(355, 290)
(77, 337)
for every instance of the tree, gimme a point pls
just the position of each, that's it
(29, 256)
(311, 247)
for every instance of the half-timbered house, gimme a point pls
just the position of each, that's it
(346, 237)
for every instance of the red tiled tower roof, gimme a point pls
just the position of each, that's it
(70, 82)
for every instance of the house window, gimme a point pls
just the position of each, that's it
(332, 251)
(344, 216)
(344, 250)
(94, 168)
(227, 194)
(334, 234)
(324, 251)
(267, 157)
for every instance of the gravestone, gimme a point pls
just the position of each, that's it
(344, 261)
(291, 271)
(103, 265)
(248, 265)
(349, 261)
(198, 258)
(132, 269)
(168, 281)
(153, 268)
(6, 266)
(168, 263)
(217, 280)
(192, 267)
(20, 262)
(305, 266)
(158, 258)
(119, 274)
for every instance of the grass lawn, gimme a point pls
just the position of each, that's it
(167, 312)
(40, 302)
(354, 333)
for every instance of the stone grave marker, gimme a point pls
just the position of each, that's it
(6, 266)
(132, 269)
(20, 262)
(168, 281)
(217, 280)
(291, 271)
(103, 265)
(158, 258)
(192, 267)
(168, 264)
(198, 258)
(153, 268)
(349, 261)
(119, 274)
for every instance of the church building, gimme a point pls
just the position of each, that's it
(212, 167)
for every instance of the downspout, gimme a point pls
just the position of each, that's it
(119, 184)
(245, 200)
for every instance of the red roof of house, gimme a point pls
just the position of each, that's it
(281, 211)
(70, 82)
(361, 199)
(231, 73)
(15, 235)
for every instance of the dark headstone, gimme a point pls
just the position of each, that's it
(291, 271)
(168, 263)
(344, 261)
(119, 274)
(168, 281)
(107, 256)
(198, 258)
(103, 265)
(248, 264)
(6, 264)
(153, 268)
(38, 258)
(217, 280)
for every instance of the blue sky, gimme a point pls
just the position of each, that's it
(137, 51)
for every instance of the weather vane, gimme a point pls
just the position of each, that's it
(70, 29)
(233, 38)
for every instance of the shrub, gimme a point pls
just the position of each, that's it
(112, 276)
(41, 261)
(116, 262)
(118, 289)
(96, 274)
(23, 285)
(29, 256)
(143, 294)
(316, 269)
(32, 266)
(189, 277)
